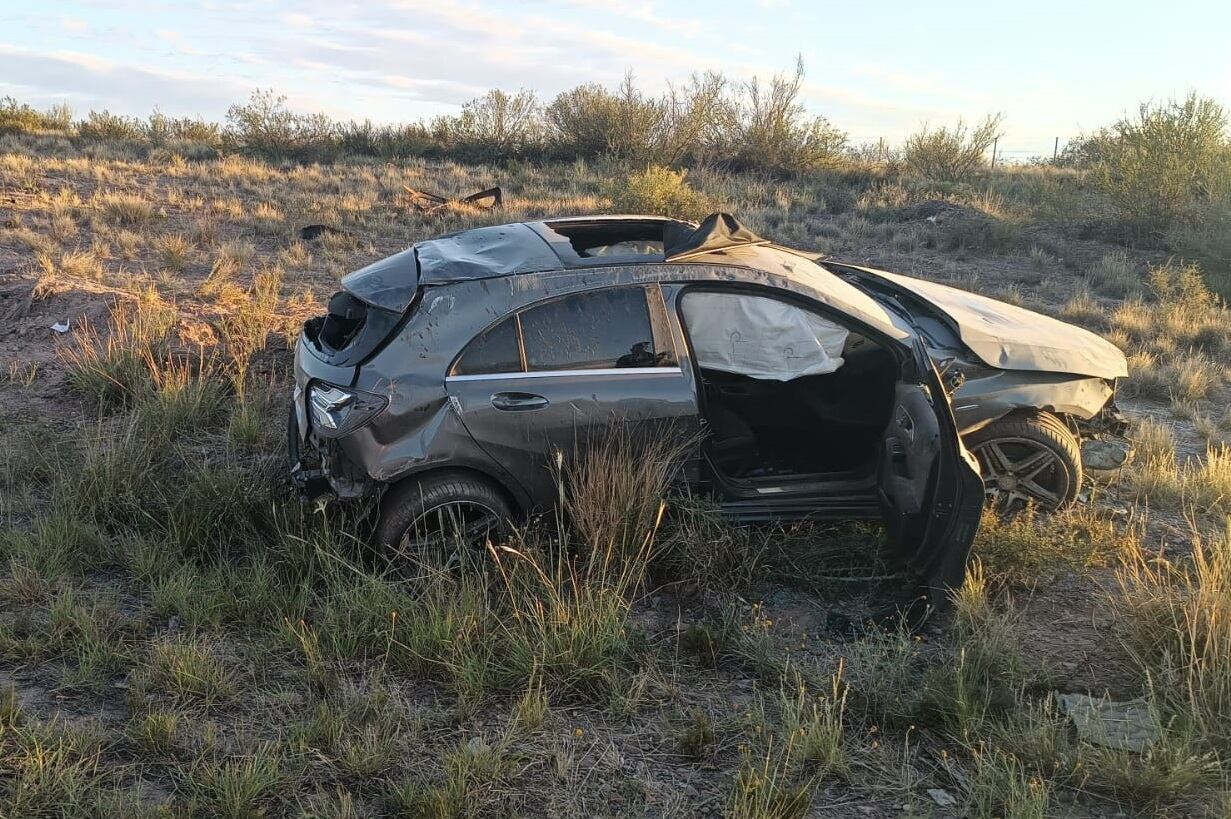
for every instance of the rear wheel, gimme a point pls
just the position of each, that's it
(434, 521)
(1028, 459)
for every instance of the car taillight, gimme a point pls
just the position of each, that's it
(336, 410)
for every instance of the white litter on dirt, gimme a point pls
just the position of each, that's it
(942, 797)
(1128, 725)
(60, 326)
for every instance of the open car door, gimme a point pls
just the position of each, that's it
(931, 492)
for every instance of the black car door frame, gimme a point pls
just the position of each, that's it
(932, 531)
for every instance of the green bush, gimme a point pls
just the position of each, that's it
(684, 124)
(1162, 165)
(591, 121)
(18, 118)
(104, 125)
(386, 141)
(659, 191)
(952, 154)
(161, 129)
(497, 125)
(772, 131)
(267, 128)
(1206, 238)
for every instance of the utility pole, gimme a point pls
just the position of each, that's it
(995, 142)
(1055, 152)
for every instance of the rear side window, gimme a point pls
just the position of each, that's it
(493, 351)
(595, 330)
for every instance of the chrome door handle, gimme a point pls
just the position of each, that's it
(518, 401)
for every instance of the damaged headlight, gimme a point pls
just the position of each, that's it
(336, 411)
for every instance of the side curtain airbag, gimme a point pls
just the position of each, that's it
(761, 337)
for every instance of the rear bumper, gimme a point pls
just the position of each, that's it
(319, 466)
(306, 474)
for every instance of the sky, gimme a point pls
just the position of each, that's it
(883, 69)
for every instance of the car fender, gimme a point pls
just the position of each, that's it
(980, 401)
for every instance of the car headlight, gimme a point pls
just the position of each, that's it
(336, 411)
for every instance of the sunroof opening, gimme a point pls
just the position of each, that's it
(612, 240)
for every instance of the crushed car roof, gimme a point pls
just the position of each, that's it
(555, 244)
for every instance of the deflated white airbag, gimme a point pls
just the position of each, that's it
(761, 337)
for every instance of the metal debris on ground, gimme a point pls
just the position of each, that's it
(310, 232)
(1105, 455)
(1128, 725)
(429, 203)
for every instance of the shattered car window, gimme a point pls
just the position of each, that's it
(493, 351)
(606, 328)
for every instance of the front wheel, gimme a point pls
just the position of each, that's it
(434, 521)
(1028, 459)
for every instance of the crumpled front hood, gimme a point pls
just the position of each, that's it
(1013, 338)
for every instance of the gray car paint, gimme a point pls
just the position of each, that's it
(408, 370)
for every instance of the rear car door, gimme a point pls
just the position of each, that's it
(931, 492)
(539, 384)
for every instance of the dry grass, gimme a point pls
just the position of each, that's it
(251, 658)
(1177, 619)
(123, 208)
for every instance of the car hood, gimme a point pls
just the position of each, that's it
(1008, 337)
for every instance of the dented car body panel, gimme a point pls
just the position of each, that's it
(1044, 364)
(980, 400)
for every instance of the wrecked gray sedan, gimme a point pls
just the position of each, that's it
(446, 378)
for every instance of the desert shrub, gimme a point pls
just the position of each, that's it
(1162, 164)
(113, 368)
(18, 118)
(591, 121)
(498, 125)
(771, 130)
(387, 141)
(702, 548)
(266, 127)
(756, 125)
(1115, 275)
(951, 154)
(105, 125)
(1206, 238)
(1001, 786)
(161, 129)
(1030, 548)
(989, 668)
(659, 191)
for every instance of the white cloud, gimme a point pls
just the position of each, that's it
(98, 83)
(74, 24)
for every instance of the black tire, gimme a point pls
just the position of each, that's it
(1028, 458)
(428, 520)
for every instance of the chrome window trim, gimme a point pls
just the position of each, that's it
(562, 373)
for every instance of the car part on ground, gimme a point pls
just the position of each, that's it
(431, 203)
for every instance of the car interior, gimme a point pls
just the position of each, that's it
(821, 419)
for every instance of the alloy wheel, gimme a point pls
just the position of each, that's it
(1020, 471)
(443, 535)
